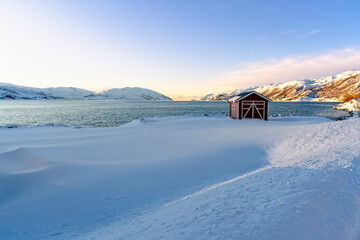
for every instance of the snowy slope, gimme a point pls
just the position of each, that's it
(128, 93)
(10, 91)
(183, 178)
(331, 88)
(67, 92)
(351, 106)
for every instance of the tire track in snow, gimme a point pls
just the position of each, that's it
(212, 187)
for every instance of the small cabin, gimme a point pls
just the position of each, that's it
(249, 105)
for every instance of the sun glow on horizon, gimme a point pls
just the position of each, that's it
(100, 45)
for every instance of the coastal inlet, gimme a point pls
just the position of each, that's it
(111, 113)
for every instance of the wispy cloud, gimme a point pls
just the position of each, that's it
(312, 32)
(291, 68)
(295, 33)
(287, 32)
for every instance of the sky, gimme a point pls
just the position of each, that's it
(184, 49)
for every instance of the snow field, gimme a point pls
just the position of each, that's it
(182, 178)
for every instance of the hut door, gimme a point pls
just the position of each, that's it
(253, 109)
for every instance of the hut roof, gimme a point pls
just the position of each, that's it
(245, 94)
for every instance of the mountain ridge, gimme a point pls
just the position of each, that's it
(10, 91)
(331, 88)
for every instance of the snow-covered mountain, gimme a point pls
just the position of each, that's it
(67, 92)
(331, 88)
(128, 93)
(10, 91)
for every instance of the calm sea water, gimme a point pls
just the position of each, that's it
(102, 113)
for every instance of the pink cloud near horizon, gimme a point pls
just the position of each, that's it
(291, 68)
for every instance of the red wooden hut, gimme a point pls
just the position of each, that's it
(249, 105)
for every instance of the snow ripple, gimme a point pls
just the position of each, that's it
(309, 147)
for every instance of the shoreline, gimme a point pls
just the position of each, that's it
(142, 119)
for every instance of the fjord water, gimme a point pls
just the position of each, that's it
(103, 113)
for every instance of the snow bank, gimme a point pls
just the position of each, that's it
(182, 178)
(323, 146)
(352, 106)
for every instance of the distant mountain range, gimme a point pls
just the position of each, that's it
(331, 88)
(10, 91)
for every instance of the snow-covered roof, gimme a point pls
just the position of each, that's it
(245, 94)
(233, 99)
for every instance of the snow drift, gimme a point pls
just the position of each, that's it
(182, 178)
(351, 106)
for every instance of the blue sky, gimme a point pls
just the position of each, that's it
(181, 48)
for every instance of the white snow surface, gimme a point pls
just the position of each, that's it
(183, 178)
(351, 106)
